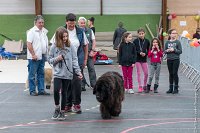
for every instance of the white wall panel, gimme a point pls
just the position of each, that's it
(67, 6)
(132, 6)
(17, 6)
(82, 6)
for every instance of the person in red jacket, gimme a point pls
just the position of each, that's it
(155, 54)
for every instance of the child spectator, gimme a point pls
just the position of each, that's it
(142, 47)
(155, 54)
(127, 59)
(173, 49)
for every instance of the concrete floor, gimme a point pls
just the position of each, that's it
(141, 113)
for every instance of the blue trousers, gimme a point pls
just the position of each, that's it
(36, 74)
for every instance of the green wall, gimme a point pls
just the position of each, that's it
(15, 26)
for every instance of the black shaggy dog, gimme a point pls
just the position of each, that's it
(109, 92)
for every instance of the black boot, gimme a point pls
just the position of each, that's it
(175, 89)
(170, 89)
(155, 88)
(148, 88)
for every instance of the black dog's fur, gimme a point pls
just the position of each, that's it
(109, 92)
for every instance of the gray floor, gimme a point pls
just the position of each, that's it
(141, 113)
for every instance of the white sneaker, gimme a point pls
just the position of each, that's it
(130, 91)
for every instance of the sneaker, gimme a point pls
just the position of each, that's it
(56, 114)
(76, 109)
(34, 93)
(68, 109)
(130, 91)
(140, 89)
(61, 116)
(43, 93)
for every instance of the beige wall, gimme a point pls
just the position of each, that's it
(185, 11)
(184, 7)
(190, 27)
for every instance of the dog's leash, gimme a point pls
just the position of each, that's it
(84, 81)
(67, 66)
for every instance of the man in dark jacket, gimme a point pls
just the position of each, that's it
(117, 37)
(79, 41)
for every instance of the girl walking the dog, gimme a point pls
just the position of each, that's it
(155, 54)
(64, 59)
(127, 59)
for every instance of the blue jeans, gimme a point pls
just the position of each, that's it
(36, 70)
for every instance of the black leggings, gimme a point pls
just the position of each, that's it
(173, 66)
(62, 84)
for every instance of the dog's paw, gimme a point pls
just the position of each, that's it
(106, 116)
(116, 114)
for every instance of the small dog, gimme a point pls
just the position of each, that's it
(47, 78)
(109, 92)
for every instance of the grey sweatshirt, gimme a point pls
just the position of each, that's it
(59, 68)
(177, 49)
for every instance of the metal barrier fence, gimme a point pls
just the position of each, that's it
(190, 65)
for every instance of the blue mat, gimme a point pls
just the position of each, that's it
(104, 62)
